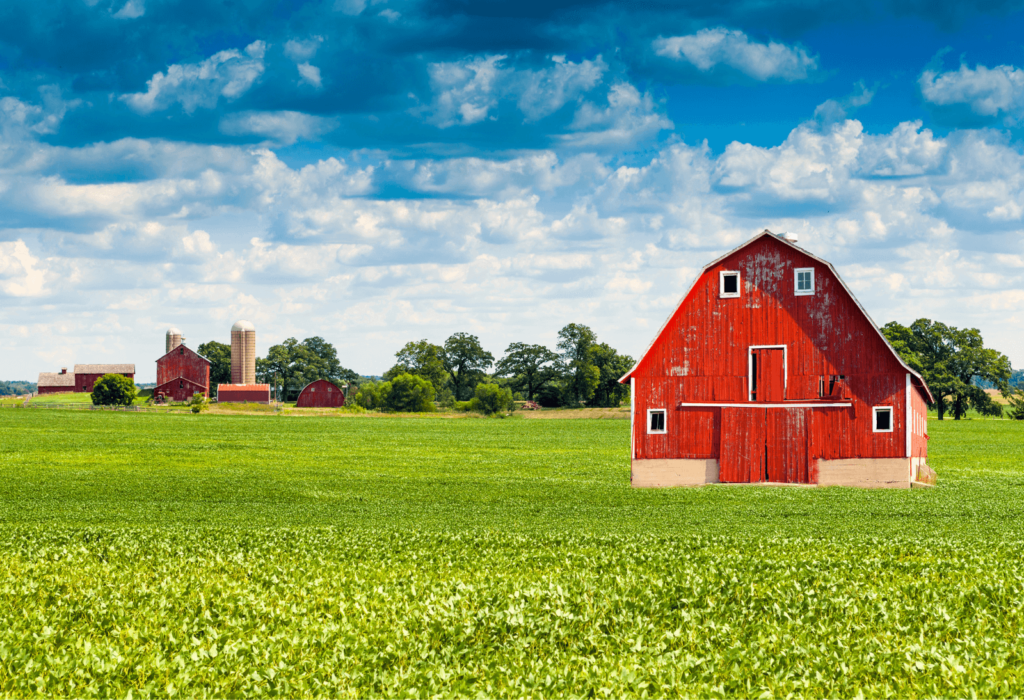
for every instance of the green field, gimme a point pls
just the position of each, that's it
(269, 555)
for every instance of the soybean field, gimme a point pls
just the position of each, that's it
(223, 555)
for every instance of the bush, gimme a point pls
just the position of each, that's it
(371, 395)
(113, 390)
(410, 393)
(198, 404)
(492, 398)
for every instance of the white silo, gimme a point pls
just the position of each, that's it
(174, 339)
(243, 353)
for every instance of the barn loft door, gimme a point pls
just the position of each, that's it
(768, 374)
(764, 444)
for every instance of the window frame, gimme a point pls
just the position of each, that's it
(651, 411)
(722, 294)
(875, 410)
(796, 282)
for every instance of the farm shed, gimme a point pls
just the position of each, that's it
(55, 382)
(320, 394)
(86, 375)
(243, 393)
(770, 371)
(182, 372)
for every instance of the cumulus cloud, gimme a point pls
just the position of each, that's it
(709, 48)
(133, 9)
(303, 49)
(309, 74)
(986, 91)
(464, 91)
(228, 74)
(546, 91)
(20, 272)
(629, 117)
(284, 127)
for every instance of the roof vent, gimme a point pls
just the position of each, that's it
(791, 237)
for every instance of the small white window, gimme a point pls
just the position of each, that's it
(728, 284)
(804, 281)
(882, 419)
(656, 421)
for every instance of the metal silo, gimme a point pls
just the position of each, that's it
(174, 339)
(243, 353)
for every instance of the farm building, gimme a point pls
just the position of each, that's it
(243, 393)
(182, 372)
(770, 371)
(81, 380)
(55, 382)
(320, 394)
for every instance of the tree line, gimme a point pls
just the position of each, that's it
(17, 388)
(957, 367)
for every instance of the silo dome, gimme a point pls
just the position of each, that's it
(243, 326)
(174, 339)
(173, 331)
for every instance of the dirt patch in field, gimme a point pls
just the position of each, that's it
(997, 397)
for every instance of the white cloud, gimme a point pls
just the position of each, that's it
(133, 9)
(987, 91)
(310, 74)
(730, 47)
(228, 74)
(283, 127)
(464, 91)
(20, 273)
(546, 91)
(628, 118)
(303, 50)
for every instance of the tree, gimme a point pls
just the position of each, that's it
(611, 366)
(219, 356)
(113, 390)
(410, 393)
(576, 342)
(1016, 398)
(492, 398)
(950, 359)
(296, 364)
(422, 359)
(465, 360)
(528, 365)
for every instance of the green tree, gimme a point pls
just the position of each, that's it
(581, 377)
(950, 359)
(410, 393)
(422, 359)
(611, 366)
(372, 395)
(113, 390)
(294, 365)
(492, 398)
(219, 356)
(465, 360)
(529, 366)
(1016, 398)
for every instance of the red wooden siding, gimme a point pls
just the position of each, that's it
(708, 350)
(85, 382)
(918, 424)
(180, 389)
(320, 394)
(243, 393)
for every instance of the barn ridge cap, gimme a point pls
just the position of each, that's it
(781, 239)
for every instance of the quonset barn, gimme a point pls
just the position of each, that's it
(770, 371)
(320, 394)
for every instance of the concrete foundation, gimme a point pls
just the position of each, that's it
(889, 473)
(659, 473)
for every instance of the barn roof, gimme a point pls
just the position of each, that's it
(104, 369)
(178, 347)
(56, 379)
(923, 385)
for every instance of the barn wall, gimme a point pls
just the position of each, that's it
(243, 393)
(919, 428)
(702, 356)
(320, 394)
(85, 382)
(54, 390)
(183, 362)
(180, 389)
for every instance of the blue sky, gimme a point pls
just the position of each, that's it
(378, 171)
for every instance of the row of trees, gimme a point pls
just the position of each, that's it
(955, 363)
(582, 371)
(17, 388)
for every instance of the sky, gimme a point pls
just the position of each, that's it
(380, 171)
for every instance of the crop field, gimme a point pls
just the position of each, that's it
(238, 555)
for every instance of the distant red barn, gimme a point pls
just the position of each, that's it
(320, 394)
(181, 373)
(243, 393)
(769, 370)
(86, 375)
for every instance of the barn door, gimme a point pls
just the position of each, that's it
(742, 450)
(768, 374)
(786, 445)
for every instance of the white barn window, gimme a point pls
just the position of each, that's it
(656, 421)
(728, 284)
(804, 281)
(882, 419)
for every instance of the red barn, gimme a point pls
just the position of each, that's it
(320, 394)
(55, 382)
(770, 371)
(243, 393)
(86, 375)
(181, 373)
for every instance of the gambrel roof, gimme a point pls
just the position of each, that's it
(923, 385)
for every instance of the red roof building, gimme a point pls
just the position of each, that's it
(81, 380)
(243, 393)
(770, 371)
(320, 394)
(181, 373)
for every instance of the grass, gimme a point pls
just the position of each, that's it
(261, 555)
